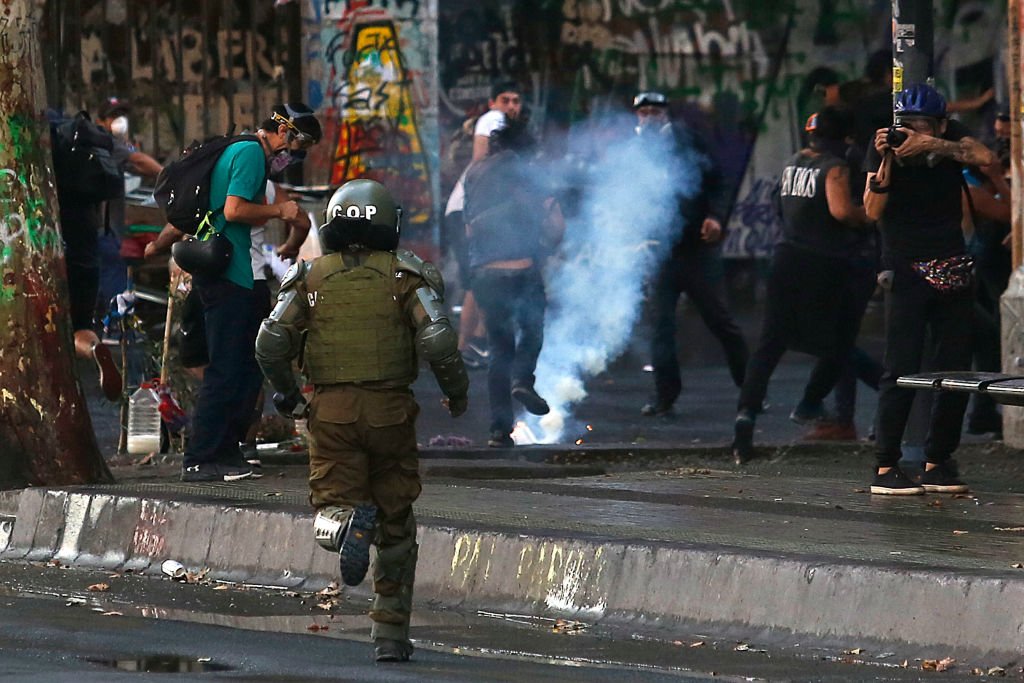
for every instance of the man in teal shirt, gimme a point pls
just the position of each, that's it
(232, 380)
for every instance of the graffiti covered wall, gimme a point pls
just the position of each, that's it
(394, 79)
(743, 73)
(373, 81)
(188, 75)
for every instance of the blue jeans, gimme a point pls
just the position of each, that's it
(513, 302)
(232, 380)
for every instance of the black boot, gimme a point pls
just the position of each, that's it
(388, 650)
(743, 439)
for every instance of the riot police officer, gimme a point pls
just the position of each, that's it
(360, 315)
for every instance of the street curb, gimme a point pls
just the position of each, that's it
(587, 578)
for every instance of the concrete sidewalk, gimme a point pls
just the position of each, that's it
(791, 547)
(645, 520)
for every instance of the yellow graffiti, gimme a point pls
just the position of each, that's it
(466, 556)
(556, 554)
(487, 567)
(522, 560)
(378, 134)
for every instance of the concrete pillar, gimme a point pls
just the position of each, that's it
(1011, 308)
(1011, 305)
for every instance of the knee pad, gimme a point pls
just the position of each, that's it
(328, 526)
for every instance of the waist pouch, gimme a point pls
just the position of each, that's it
(953, 274)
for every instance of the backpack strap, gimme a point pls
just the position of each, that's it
(206, 228)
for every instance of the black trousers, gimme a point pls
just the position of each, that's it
(232, 380)
(512, 301)
(915, 315)
(689, 274)
(860, 366)
(810, 307)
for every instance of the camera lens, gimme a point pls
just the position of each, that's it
(896, 137)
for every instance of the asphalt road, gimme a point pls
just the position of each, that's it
(53, 628)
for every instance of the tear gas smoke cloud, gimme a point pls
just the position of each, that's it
(628, 219)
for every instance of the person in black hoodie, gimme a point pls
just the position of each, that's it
(810, 304)
(686, 267)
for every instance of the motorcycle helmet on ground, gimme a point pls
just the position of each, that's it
(361, 214)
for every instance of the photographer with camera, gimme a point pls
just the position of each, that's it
(915, 190)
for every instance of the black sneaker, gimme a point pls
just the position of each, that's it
(943, 478)
(531, 400)
(251, 457)
(743, 439)
(657, 408)
(895, 483)
(215, 471)
(805, 415)
(500, 439)
(388, 650)
(355, 544)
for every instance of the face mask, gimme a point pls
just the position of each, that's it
(119, 126)
(651, 125)
(280, 161)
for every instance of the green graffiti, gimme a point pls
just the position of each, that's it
(29, 157)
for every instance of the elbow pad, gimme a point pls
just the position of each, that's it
(276, 345)
(438, 344)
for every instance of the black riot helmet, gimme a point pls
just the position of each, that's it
(361, 214)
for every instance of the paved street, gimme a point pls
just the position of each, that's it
(642, 530)
(52, 627)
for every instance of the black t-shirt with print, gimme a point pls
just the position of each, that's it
(922, 216)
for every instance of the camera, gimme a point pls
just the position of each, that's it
(896, 136)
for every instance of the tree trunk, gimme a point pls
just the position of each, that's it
(46, 435)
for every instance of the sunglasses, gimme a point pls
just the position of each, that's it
(303, 139)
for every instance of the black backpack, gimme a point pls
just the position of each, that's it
(183, 187)
(83, 163)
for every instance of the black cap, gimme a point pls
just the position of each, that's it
(113, 107)
(504, 86)
(1003, 112)
(650, 99)
(299, 116)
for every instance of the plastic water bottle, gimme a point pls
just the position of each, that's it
(144, 421)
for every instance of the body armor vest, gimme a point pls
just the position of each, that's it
(358, 331)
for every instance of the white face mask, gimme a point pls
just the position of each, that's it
(119, 126)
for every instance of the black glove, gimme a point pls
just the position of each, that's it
(457, 406)
(291, 405)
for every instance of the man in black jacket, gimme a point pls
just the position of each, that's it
(687, 266)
